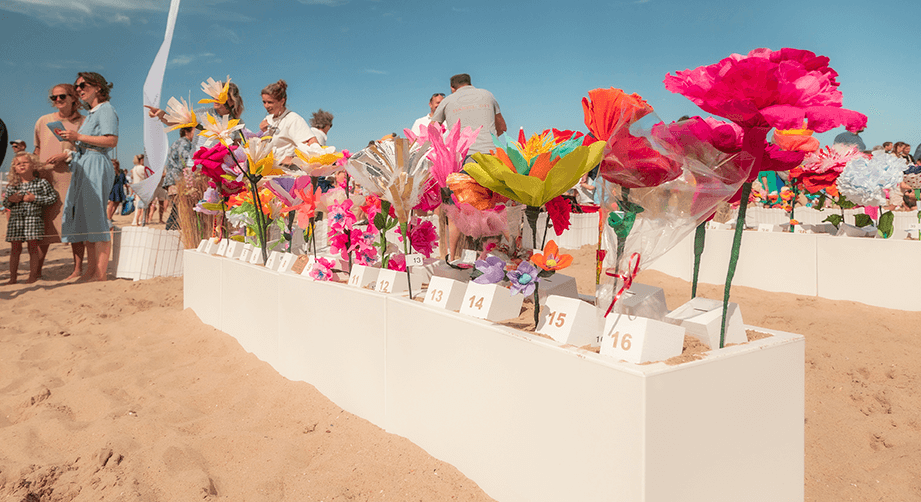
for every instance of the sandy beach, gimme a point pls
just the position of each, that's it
(111, 391)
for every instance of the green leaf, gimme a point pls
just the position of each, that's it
(834, 219)
(622, 222)
(885, 224)
(380, 220)
(821, 201)
(843, 203)
(862, 220)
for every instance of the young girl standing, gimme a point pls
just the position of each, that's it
(26, 196)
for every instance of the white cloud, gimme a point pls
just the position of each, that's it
(77, 13)
(375, 72)
(185, 59)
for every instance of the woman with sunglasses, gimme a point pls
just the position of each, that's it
(54, 168)
(93, 176)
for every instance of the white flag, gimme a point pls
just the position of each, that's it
(155, 142)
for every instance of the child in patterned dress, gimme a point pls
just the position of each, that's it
(26, 196)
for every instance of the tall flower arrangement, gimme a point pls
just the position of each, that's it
(760, 91)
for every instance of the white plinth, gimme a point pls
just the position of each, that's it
(524, 417)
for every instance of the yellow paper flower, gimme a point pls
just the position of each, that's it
(216, 90)
(546, 179)
(260, 158)
(179, 114)
(317, 160)
(221, 129)
(536, 145)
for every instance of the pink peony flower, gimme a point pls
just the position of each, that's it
(769, 89)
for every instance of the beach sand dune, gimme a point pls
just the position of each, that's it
(111, 391)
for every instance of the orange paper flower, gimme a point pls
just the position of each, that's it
(551, 259)
(605, 109)
(468, 191)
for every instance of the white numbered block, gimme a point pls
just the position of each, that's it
(491, 302)
(234, 248)
(274, 260)
(211, 247)
(702, 318)
(246, 253)
(713, 225)
(222, 247)
(286, 263)
(802, 229)
(445, 293)
(392, 281)
(570, 320)
(255, 257)
(823, 228)
(913, 230)
(469, 256)
(558, 285)
(362, 276)
(768, 227)
(202, 246)
(639, 339)
(642, 300)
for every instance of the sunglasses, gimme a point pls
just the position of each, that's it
(82, 85)
(56, 97)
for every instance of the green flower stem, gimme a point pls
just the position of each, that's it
(699, 240)
(734, 257)
(536, 303)
(621, 243)
(407, 248)
(260, 223)
(793, 204)
(532, 214)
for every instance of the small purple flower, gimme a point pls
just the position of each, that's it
(524, 279)
(493, 269)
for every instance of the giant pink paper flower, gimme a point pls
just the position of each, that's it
(448, 152)
(769, 89)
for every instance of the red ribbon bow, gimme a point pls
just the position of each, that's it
(633, 269)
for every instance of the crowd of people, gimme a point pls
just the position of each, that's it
(69, 188)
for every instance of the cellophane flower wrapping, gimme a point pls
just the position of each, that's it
(670, 211)
(864, 180)
(395, 170)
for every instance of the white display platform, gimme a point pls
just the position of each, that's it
(878, 272)
(526, 418)
(146, 252)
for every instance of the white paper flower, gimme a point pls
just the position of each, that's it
(864, 180)
(221, 129)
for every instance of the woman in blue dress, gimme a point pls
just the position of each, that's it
(84, 218)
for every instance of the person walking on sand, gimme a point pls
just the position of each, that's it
(26, 196)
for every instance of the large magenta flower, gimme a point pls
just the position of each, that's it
(769, 89)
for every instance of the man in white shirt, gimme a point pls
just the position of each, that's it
(425, 120)
(474, 108)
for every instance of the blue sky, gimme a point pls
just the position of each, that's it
(374, 64)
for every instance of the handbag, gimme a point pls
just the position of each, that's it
(128, 206)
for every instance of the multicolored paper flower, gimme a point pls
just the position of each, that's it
(551, 259)
(524, 279)
(821, 169)
(317, 160)
(533, 182)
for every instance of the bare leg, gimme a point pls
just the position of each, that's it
(15, 251)
(41, 258)
(91, 262)
(103, 249)
(162, 204)
(110, 209)
(77, 248)
(35, 258)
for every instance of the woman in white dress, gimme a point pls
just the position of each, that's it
(288, 129)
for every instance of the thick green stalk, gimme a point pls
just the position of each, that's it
(734, 257)
(699, 240)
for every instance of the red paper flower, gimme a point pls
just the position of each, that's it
(558, 210)
(629, 161)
